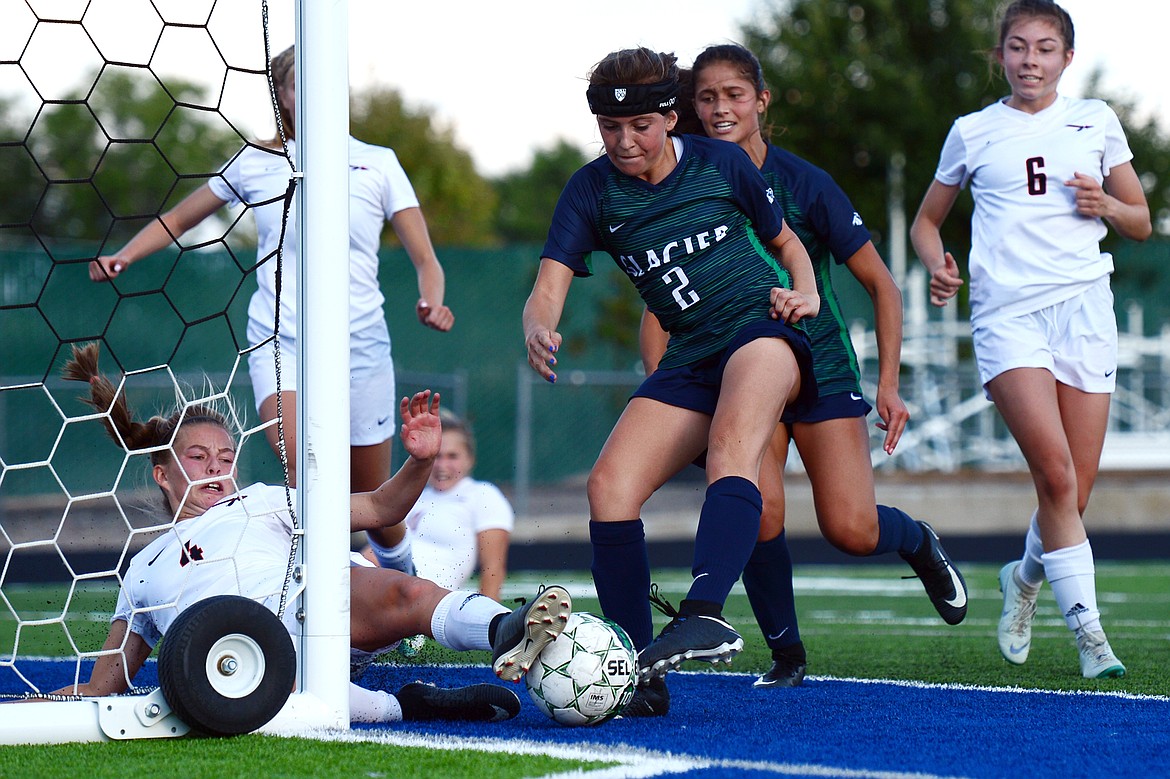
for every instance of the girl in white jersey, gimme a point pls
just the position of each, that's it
(1046, 173)
(258, 177)
(231, 541)
(459, 522)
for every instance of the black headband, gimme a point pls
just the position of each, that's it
(633, 100)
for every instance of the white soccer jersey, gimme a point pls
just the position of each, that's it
(1029, 247)
(378, 189)
(443, 526)
(240, 546)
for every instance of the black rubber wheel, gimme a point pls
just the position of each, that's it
(227, 666)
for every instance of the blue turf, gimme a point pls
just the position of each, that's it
(826, 724)
(865, 726)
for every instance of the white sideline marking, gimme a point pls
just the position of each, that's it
(633, 762)
(890, 586)
(742, 675)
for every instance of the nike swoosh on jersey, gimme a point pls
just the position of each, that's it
(854, 396)
(615, 228)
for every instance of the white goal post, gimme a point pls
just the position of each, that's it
(322, 115)
(320, 584)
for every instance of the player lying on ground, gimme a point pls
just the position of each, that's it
(234, 541)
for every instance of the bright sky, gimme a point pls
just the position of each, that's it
(507, 77)
(510, 77)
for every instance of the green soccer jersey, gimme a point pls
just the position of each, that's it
(824, 219)
(692, 245)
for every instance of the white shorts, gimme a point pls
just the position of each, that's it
(1076, 340)
(373, 404)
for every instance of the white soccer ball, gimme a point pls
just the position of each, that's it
(587, 675)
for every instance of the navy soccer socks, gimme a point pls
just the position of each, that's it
(728, 526)
(768, 580)
(897, 532)
(621, 574)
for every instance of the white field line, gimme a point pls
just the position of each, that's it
(802, 585)
(521, 583)
(892, 682)
(632, 762)
(637, 762)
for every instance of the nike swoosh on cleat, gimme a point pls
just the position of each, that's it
(1015, 650)
(960, 592)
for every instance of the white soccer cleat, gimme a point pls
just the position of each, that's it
(1097, 658)
(1015, 622)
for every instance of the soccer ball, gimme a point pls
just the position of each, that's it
(587, 675)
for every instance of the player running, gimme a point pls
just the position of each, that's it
(730, 100)
(1046, 173)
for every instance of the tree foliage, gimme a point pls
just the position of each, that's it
(458, 203)
(527, 198)
(93, 167)
(857, 82)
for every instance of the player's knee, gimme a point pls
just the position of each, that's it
(410, 590)
(1055, 480)
(611, 492)
(857, 536)
(771, 521)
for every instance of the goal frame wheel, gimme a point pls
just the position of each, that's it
(227, 665)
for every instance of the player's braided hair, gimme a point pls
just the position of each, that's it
(120, 424)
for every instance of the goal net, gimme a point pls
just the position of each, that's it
(111, 112)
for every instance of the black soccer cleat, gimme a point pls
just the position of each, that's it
(686, 637)
(785, 672)
(943, 582)
(523, 634)
(477, 703)
(651, 699)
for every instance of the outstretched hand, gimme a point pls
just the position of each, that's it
(422, 430)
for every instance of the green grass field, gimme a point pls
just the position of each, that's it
(856, 622)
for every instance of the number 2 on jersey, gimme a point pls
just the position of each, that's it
(685, 297)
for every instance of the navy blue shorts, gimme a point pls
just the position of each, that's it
(696, 386)
(840, 405)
